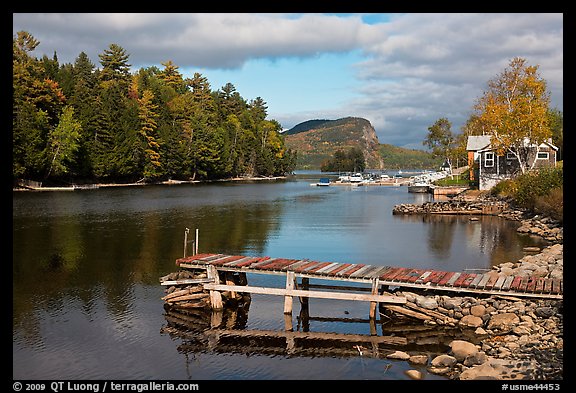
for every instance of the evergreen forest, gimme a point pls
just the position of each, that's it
(80, 123)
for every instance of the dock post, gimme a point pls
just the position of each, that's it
(288, 299)
(304, 285)
(374, 305)
(186, 240)
(215, 296)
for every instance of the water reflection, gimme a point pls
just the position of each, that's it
(86, 267)
(206, 331)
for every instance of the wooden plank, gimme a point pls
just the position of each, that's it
(468, 280)
(478, 279)
(361, 272)
(523, 284)
(499, 282)
(314, 266)
(186, 281)
(328, 271)
(326, 268)
(539, 284)
(340, 268)
(368, 273)
(410, 313)
(215, 296)
(191, 258)
(304, 266)
(348, 270)
(260, 264)
(405, 275)
(492, 280)
(278, 264)
(293, 266)
(308, 293)
(354, 268)
(212, 257)
(414, 274)
(391, 273)
(423, 277)
(453, 279)
(531, 285)
(225, 259)
(402, 273)
(547, 285)
(516, 283)
(435, 277)
(402, 277)
(379, 272)
(248, 263)
(508, 283)
(290, 281)
(321, 265)
(238, 262)
(446, 278)
(556, 288)
(458, 282)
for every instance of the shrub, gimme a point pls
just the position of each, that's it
(552, 204)
(505, 188)
(535, 184)
(539, 190)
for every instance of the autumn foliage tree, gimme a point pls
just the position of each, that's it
(514, 111)
(76, 123)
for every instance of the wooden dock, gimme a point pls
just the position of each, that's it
(378, 279)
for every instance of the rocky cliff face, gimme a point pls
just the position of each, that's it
(317, 140)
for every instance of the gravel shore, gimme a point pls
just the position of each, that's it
(515, 338)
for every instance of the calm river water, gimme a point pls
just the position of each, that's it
(86, 268)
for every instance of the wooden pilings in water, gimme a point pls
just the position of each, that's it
(186, 290)
(207, 287)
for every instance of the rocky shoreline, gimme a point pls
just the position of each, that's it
(513, 338)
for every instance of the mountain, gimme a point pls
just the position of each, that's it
(317, 140)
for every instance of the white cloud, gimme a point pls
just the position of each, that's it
(416, 68)
(202, 40)
(437, 65)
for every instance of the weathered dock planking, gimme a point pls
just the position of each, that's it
(480, 283)
(209, 280)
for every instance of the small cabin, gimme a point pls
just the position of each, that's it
(488, 167)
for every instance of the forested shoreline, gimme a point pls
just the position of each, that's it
(79, 123)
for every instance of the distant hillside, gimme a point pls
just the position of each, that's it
(317, 140)
(400, 158)
(306, 126)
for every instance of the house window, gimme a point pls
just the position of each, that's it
(489, 159)
(510, 156)
(542, 155)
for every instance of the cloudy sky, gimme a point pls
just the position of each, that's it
(402, 72)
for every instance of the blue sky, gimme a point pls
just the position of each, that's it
(402, 72)
(321, 82)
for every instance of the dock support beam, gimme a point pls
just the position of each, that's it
(288, 298)
(374, 305)
(215, 296)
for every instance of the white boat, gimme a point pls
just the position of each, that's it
(356, 178)
(324, 181)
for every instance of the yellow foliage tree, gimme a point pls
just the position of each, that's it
(514, 112)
